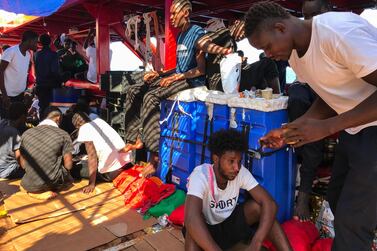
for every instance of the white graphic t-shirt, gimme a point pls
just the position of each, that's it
(218, 204)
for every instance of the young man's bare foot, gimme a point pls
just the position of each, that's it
(151, 168)
(43, 196)
(138, 145)
(302, 210)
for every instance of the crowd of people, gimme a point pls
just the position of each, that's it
(333, 57)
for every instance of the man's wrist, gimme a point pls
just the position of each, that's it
(333, 125)
(178, 76)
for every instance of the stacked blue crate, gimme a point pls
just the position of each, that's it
(276, 173)
(206, 126)
(65, 95)
(177, 141)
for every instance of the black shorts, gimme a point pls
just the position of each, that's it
(232, 230)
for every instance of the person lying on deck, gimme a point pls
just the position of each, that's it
(142, 106)
(105, 149)
(213, 219)
(46, 157)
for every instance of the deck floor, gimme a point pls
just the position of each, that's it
(101, 214)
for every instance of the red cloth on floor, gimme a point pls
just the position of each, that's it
(177, 217)
(301, 235)
(140, 192)
(323, 245)
(126, 178)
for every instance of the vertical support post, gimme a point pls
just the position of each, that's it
(102, 42)
(170, 39)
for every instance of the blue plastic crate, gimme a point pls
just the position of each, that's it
(183, 137)
(177, 140)
(65, 95)
(276, 173)
(220, 120)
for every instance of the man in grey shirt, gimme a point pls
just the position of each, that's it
(46, 157)
(10, 142)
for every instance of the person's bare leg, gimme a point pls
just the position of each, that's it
(151, 168)
(302, 210)
(190, 244)
(43, 195)
(277, 236)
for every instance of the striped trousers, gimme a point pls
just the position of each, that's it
(142, 111)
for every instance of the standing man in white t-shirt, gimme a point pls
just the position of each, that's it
(14, 68)
(90, 51)
(104, 147)
(335, 53)
(213, 219)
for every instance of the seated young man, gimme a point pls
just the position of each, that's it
(213, 219)
(226, 37)
(142, 106)
(46, 157)
(11, 141)
(105, 149)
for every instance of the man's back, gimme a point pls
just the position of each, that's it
(257, 74)
(43, 148)
(221, 37)
(107, 143)
(9, 142)
(46, 67)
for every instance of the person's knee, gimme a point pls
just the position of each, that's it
(150, 99)
(190, 244)
(252, 212)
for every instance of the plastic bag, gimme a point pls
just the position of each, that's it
(325, 221)
(230, 69)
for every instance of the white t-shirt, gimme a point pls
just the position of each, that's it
(342, 50)
(218, 204)
(107, 143)
(15, 75)
(92, 68)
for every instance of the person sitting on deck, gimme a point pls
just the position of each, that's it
(46, 157)
(260, 75)
(142, 106)
(11, 141)
(105, 149)
(213, 219)
(226, 37)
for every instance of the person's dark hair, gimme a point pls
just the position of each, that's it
(240, 53)
(227, 140)
(261, 12)
(80, 118)
(322, 3)
(16, 111)
(185, 4)
(45, 40)
(51, 112)
(5, 46)
(29, 35)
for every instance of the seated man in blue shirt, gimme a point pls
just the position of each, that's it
(142, 106)
(11, 141)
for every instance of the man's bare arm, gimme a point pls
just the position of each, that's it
(67, 159)
(195, 225)
(275, 85)
(205, 44)
(3, 66)
(92, 166)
